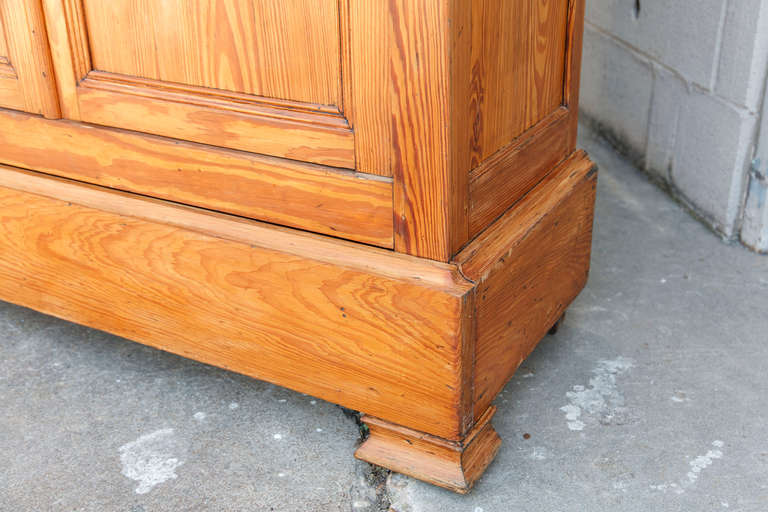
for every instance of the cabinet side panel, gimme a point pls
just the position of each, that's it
(528, 266)
(518, 68)
(541, 126)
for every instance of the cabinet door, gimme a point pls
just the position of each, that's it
(26, 77)
(256, 75)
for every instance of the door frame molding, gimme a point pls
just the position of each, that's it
(289, 129)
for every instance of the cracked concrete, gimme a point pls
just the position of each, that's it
(662, 356)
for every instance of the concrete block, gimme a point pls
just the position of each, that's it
(744, 53)
(670, 93)
(754, 230)
(681, 34)
(713, 154)
(616, 89)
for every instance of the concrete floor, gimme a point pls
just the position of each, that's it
(653, 396)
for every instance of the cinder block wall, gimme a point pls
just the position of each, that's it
(679, 86)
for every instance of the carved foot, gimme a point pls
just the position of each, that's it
(455, 465)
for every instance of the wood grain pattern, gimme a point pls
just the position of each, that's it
(501, 179)
(4, 59)
(369, 107)
(351, 333)
(465, 110)
(323, 115)
(528, 266)
(286, 49)
(460, 37)
(505, 177)
(421, 129)
(305, 196)
(454, 465)
(505, 65)
(10, 88)
(65, 22)
(183, 118)
(197, 111)
(435, 275)
(518, 66)
(27, 48)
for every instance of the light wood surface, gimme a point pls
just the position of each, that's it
(172, 72)
(26, 70)
(430, 107)
(186, 116)
(501, 180)
(518, 65)
(440, 276)
(70, 61)
(378, 203)
(407, 340)
(528, 267)
(467, 148)
(10, 89)
(450, 464)
(423, 174)
(3, 45)
(305, 196)
(368, 80)
(276, 48)
(347, 333)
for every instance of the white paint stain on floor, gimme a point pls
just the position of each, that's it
(697, 465)
(150, 459)
(704, 461)
(602, 398)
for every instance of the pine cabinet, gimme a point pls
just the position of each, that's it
(376, 202)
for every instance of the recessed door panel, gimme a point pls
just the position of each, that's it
(26, 77)
(526, 59)
(3, 46)
(518, 63)
(275, 48)
(262, 76)
(10, 89)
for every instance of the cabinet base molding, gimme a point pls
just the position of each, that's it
(454, 465)
(420, 347)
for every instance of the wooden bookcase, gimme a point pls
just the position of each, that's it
(376, 202)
